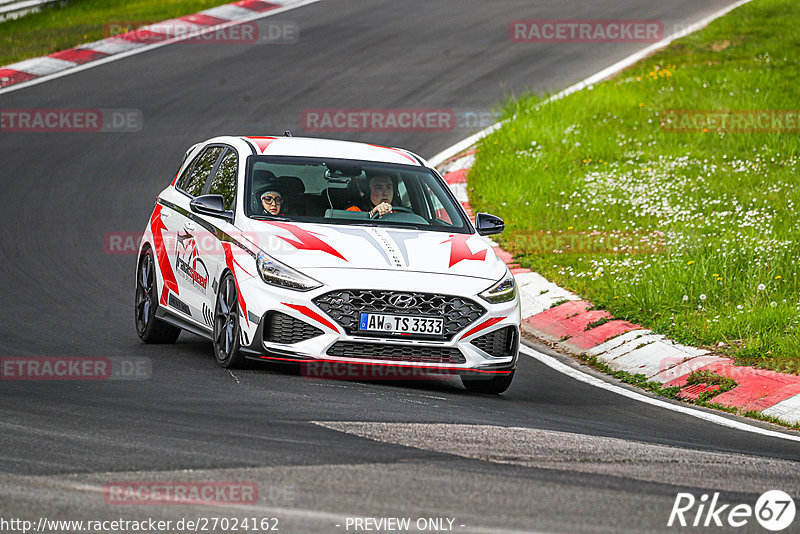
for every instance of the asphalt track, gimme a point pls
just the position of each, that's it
(552, 454)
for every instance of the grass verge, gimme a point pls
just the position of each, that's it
(83, 21)
(693, 234)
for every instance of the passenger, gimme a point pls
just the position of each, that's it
(273, 202)
(381, 194)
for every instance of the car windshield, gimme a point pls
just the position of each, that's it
(340, 191)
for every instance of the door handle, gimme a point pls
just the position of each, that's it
(189, 226)
(165, 213)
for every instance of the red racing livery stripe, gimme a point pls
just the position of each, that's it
(240, 266)
(262, 142)
(486, 324)
(229, 261)
(459, 251)
(156, 226)
(308, 312)
(306, 240)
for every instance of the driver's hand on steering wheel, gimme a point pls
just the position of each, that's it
(381, 209)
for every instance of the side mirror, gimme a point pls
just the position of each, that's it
(213, 205)
(489, 224)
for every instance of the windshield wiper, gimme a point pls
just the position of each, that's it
(384, 225)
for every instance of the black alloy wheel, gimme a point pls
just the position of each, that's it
(226, 325)
(150, 328)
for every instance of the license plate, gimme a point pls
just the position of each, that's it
(400, 324)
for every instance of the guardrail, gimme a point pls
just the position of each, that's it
(12, 9)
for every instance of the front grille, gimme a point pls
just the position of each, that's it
(344, 307)
(397, 353)
(282, 328)
(499, 343)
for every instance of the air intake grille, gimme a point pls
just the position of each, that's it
(498, 343)
(344, 307)
(397, 353)
(282, 328)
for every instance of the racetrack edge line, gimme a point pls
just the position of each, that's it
(576, 374)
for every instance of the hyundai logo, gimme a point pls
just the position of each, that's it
(403, 301)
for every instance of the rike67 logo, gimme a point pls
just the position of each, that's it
(774, 510)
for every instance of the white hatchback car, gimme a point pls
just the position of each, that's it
(317, 251)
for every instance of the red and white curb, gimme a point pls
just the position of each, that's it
(627, 346)
(147, 37)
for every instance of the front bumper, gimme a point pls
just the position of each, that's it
(486, 346)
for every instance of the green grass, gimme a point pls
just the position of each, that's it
(83, 21)
(694, 235)
(710, 379)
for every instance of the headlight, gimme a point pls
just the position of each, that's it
(502, 291)
(275, 273)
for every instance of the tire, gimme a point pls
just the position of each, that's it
(226, 325)
(150, 328)
(494, 385)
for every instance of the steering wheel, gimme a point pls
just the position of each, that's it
(402, 209)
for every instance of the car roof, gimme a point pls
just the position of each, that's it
(328, 148)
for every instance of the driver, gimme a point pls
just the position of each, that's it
(381, 194)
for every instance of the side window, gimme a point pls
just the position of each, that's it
(181, 183)
(193, 181)
(224, 182)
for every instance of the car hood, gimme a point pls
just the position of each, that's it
(336, 247)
